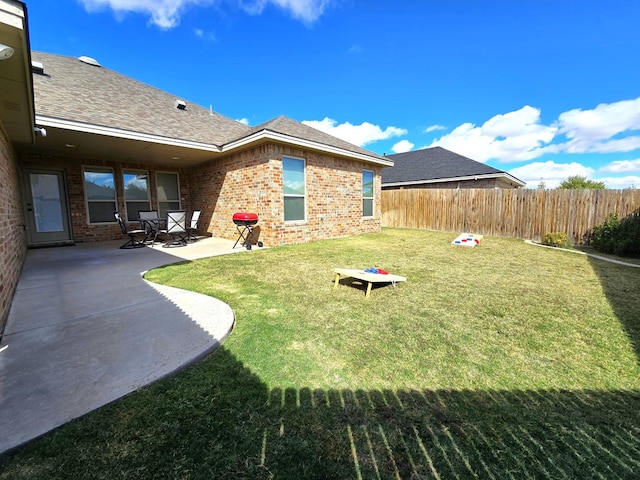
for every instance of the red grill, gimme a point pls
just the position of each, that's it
(245, 219)
(245, 223)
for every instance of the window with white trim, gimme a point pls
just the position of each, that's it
(168, 186)
(136, 193)
(293, 181)
(367, 193)
(99, 194)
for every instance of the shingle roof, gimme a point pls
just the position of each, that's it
(433, 164)
(287, 126)
(73, 90)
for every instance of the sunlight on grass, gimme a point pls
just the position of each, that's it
(505, 361)
(501, 315)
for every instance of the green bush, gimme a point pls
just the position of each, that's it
(620, 237)
(627, 237)
(556, 239)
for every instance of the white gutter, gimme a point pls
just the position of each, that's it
(457, 179)
(279, 137)
(53, 122)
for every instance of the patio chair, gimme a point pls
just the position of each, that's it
(193, 226)
(132, 234)
(176, 228)
(150, 221)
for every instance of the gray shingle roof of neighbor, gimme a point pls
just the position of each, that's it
(71, 89)
(74, 90)
(433, 164)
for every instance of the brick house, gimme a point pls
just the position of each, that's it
(438, 167)
(78, 141)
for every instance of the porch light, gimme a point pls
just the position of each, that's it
(5, 51)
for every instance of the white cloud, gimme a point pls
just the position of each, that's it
(513, 136)
(360, 135)
(434, 128)
(594, 130)
(550, 173)
(308, 11)
(622, 166)
(520, 135)
(166, 13)
(204, 35)
(402, 146)
(630, 181)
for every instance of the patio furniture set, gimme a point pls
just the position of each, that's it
(175, 228)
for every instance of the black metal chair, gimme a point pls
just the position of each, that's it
(132, 234)
(150, 221)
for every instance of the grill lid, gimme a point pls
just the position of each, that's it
(245, 217)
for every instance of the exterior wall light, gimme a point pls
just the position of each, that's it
(5, 51)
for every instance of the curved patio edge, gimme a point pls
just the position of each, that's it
(212, 315)
(86, 329)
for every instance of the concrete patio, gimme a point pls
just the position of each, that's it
(85, 329)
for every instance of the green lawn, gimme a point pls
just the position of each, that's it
(505, 361)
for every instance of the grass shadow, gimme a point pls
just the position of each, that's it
(618, 284)
(219, 420)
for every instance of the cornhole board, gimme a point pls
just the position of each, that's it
(467, 240)
(370, 278)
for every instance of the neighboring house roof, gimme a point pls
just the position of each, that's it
(97, 106)
(437, 165)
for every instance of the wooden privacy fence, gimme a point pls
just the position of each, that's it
(520, 213)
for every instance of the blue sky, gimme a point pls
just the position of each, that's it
(543, 89)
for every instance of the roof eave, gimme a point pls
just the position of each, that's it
(457, 179)
(269, 135)
(82, 127)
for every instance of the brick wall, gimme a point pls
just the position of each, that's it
(82, 231)
(12, 234)
(251, 181)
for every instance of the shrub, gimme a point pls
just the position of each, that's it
(556, 239)
(620, 237)
(627, 237)
(603, 235)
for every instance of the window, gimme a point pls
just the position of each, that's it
(100, 194)
(367, 193)
(136, 193)
(168, 192)
(294, 189)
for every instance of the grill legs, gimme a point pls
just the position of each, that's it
(245, 233)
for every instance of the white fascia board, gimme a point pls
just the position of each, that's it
(455, 179)
(279, 137)
(53, 122)
(12, 14)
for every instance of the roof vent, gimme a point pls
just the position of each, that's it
(90, 61)
(37, 67)
(180, 105)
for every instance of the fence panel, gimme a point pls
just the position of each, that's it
(518, 213)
